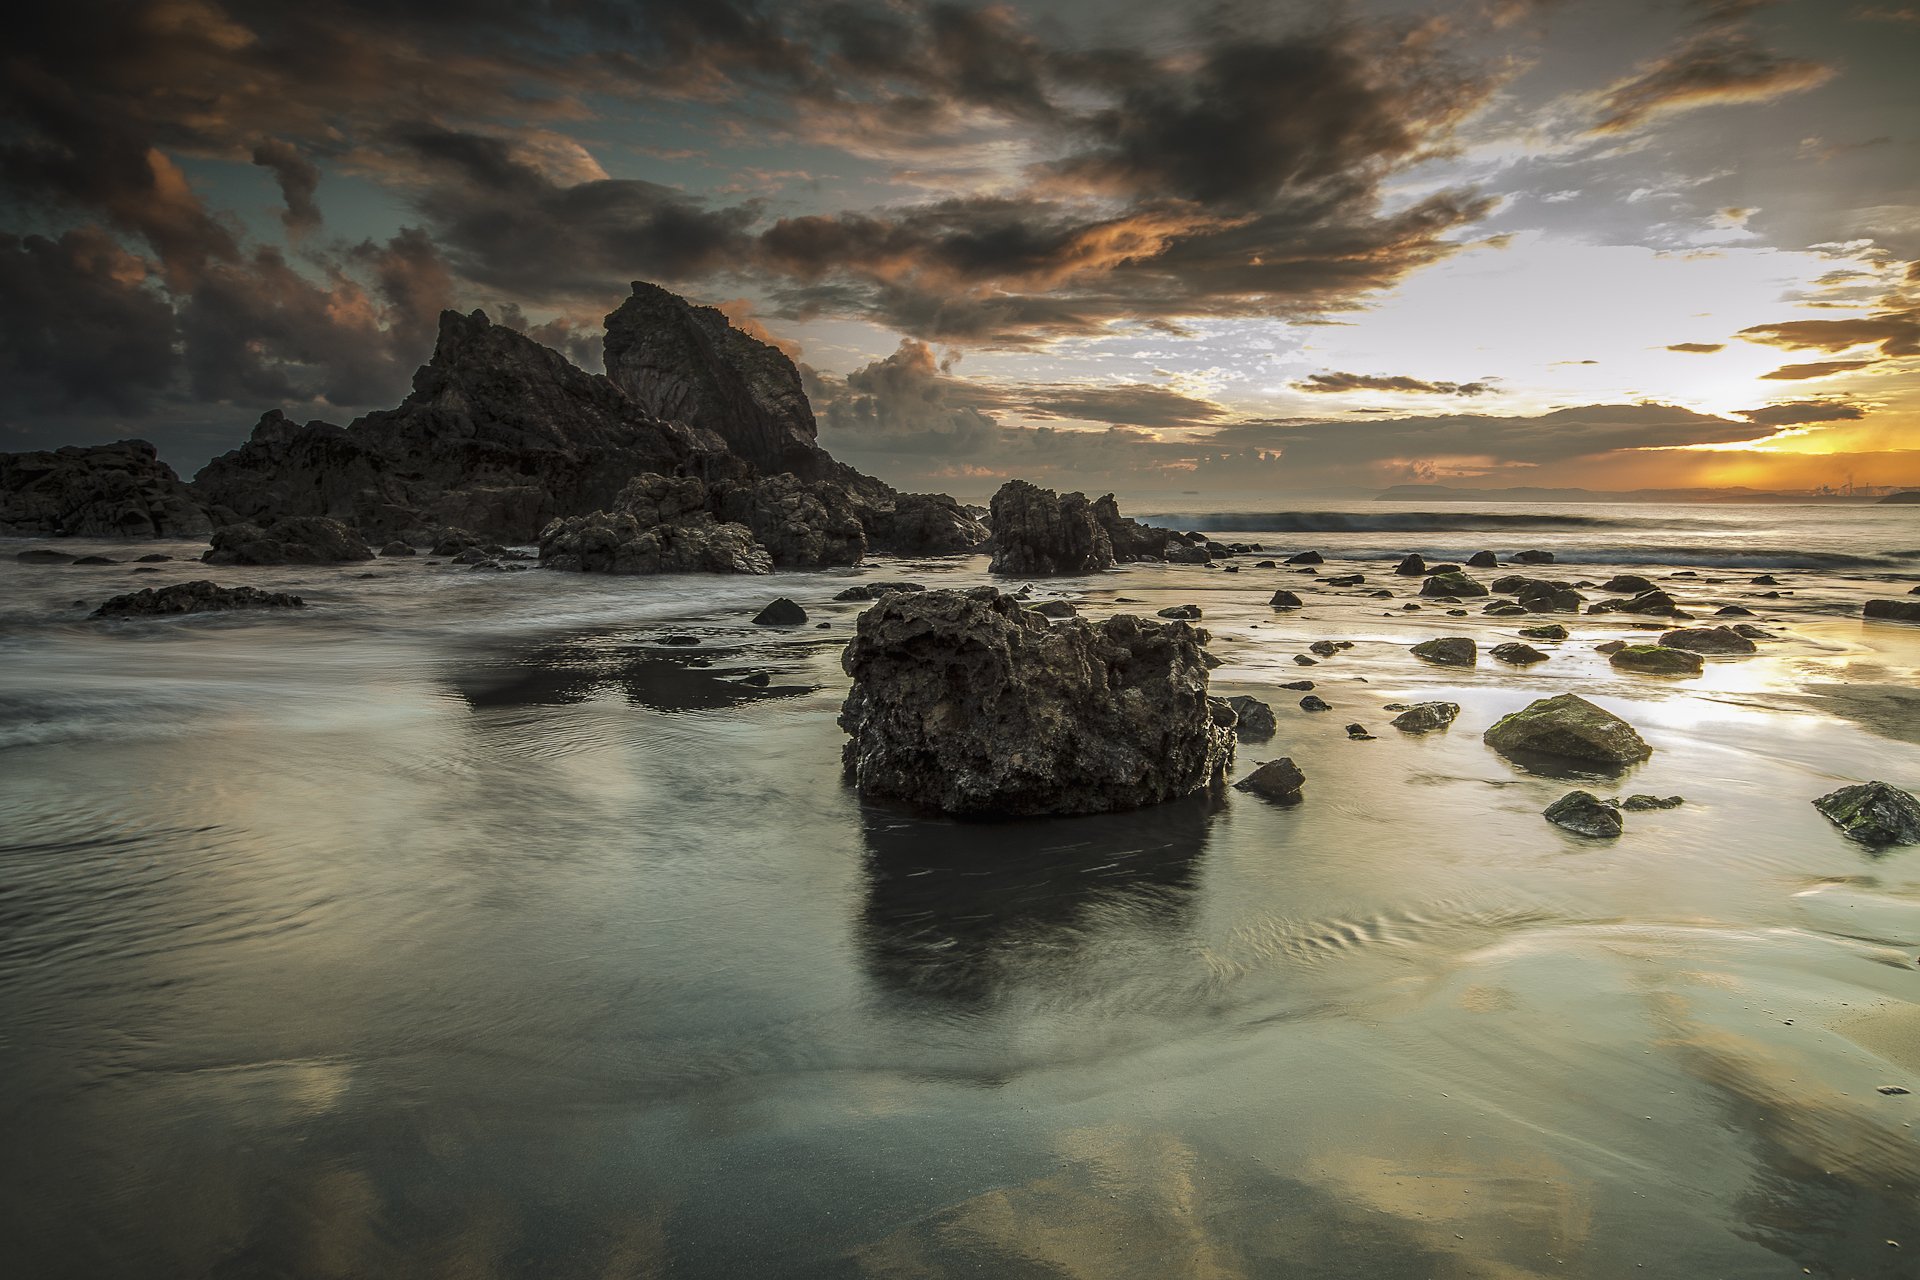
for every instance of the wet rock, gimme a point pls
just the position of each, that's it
(119, 490)
(1517, 653)
(1645, 803)
(1040, 533)
(1570, 728)
(1505, 609)
(1252, 717)
(1654, 603)
(1300, 685)
(782, 612)
(1426, 717)
(294, 540)
(1448, 651)
(1284, 600)
(1483, 560)
(1657, 660)
(1733, 611)
(1764, 580)
(43, 555)
(1055, 609)
(1452, 584)
(1307, 557)
(1752, 632)
(1181, 612)
(1277, 780)
(1610, 646)
(95, 560)
(1708, 640)
(1358, 733)
(679, 639)
(153, 557)
(874, 590)
(397, 549)
(1324, 648)
(1130, 539)
(1178, 553)
(1266, 564)
(967, 703)
(1875, 813)
(194, 597)
(1532, 557)
(1893, 610)
(658, 524)
(1414, 566)
(1314, 702)
(1551, 631)
(1346, 580)
(1626, 584)
(1301, 659)
(1582, 813)
(801, 525)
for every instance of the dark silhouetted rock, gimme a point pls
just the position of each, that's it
(968, 703)
(1284, 600)
(1414, 566)
(1426, 717)
(1277, 780)
(1582, 813)
(1531, 557)
(95, 560)
(1358, 733)
(1055, 609)
(1452, 584)
(802, 526)
(398, 549)
(43, 555)
(1646, 803)
(1875, 813)
(1181, 612)
(294, 540)
(1252, 717)
(782, 612)
(1519, 654)
(1658, 660)
(874, 590)
(1130, 539)
(1708, 640)
(1893, 610)
(1483, 560)
(1764, 580)
(1448, 651)
(1626, 584)
(1039, 533)
(119, 490)
(1314, 702)
(194, 597)
(1570, 728)
(1307, 557)
(1551, 631)
(1652, 603)
(658, 525)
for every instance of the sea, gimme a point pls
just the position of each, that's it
(457, 926)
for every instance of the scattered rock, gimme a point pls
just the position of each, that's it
(1297, 685)
(1610, 646)
(95, 560)
(1314, 702)
(1647, 602)
(1346, 580)
(1180, 612)
(679, 639)
(293, 540)
(1324, 648)
(1657, 660)
(1517, 653)
(1504, 609)
(1551, 631)
(43, 555)
(1568, 727)
(1642, 803)
(1277, 780)
(1875, 813)
(1764, 580)
(782, 612)
(1483, 560)
(1733, 611)
(1708, 640)
(1532, 557)
(1252, 717)
(1284, 600)
(1307, 557)
(194, 597)
(1626, 584)
(1452, 584)
(398, 549)
(1583, 814)
(1358, 733)
(1893, 610)
(1426, 717)
(1056, 609)
(152, 557)
(1448, 651)
(874, 590)
(1414, 566)
(1303, 660)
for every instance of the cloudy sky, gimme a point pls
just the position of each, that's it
(1284, 247)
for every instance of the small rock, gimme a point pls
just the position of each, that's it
(1552, 631)
(1765, 580)
(1733, 611)
(1454, 584)
(95, 560)
(1642, 803)
(1414, 566)
(1314, 702)
(194, 597)
(1657, 660)
(152, 558)
(781, 613)
(1181, 612)
(1055, 609)
(1581, 813)
(1303, 660)
(1307, 557)
(1346, 580)
(1298, 685)
(1532, 557)
(1448, 651)
(1892, 610)
(398, 549)
(1626, 584)
(1358, 732)
(1708, 640)
(679, 638)
(1426, 717)
(1325, 648)
(43, 555)
(758, 680)
(1892, 1090)
(1517, 653)
(1875, 813)
(1483, 560)
(1278, 780)
(1284, 600)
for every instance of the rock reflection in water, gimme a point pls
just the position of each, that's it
(960, 912)
(560, 674)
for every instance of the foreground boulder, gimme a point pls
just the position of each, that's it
(1038, 533)
(194, 597)
(970, 704)
(118, 490)
(1568, 728)
(1582, 813)
(1875, 813)
(294, 540)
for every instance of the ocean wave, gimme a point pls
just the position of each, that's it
(1398, 522)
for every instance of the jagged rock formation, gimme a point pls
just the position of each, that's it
(658, 524)
(119, 490)
(970, 704)
(1039, 533)
(1130, 539)
(201, 596)
(294, 540)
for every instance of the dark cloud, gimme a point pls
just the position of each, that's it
(81, 326)
(1717, 68)
(1340, 383)
(1799, 412)
(1896, 333)
(1817, 369)
(299, 179)
(1697, 348)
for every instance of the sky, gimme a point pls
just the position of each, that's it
(1281, 248)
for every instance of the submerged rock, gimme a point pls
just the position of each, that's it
(200, 596)
(874, 590)
(1642, 803)
(968, 703)
(1532, 557)
(1657, 660)
(1426, 717)
(119, 490)
(1876, 813)
(1582, 813)
(1708, 640)
(782, 612)
(1277, 780)
(294, 540)
(1252, 717)
(398, 549)
(1448, 651)
(1040, 533)
(1653, 603)
(1568, 727)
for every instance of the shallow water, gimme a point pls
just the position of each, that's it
(456, 928)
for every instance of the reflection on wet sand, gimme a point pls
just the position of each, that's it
(647, 676)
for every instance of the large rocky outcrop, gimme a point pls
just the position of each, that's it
(968, 703)
(119, 490)
(1038, 533)
(658, 524)
(500, 435)
(200, 596)
(687, 364)
(1130, 539)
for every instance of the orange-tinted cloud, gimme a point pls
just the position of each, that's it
(1817, 369)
